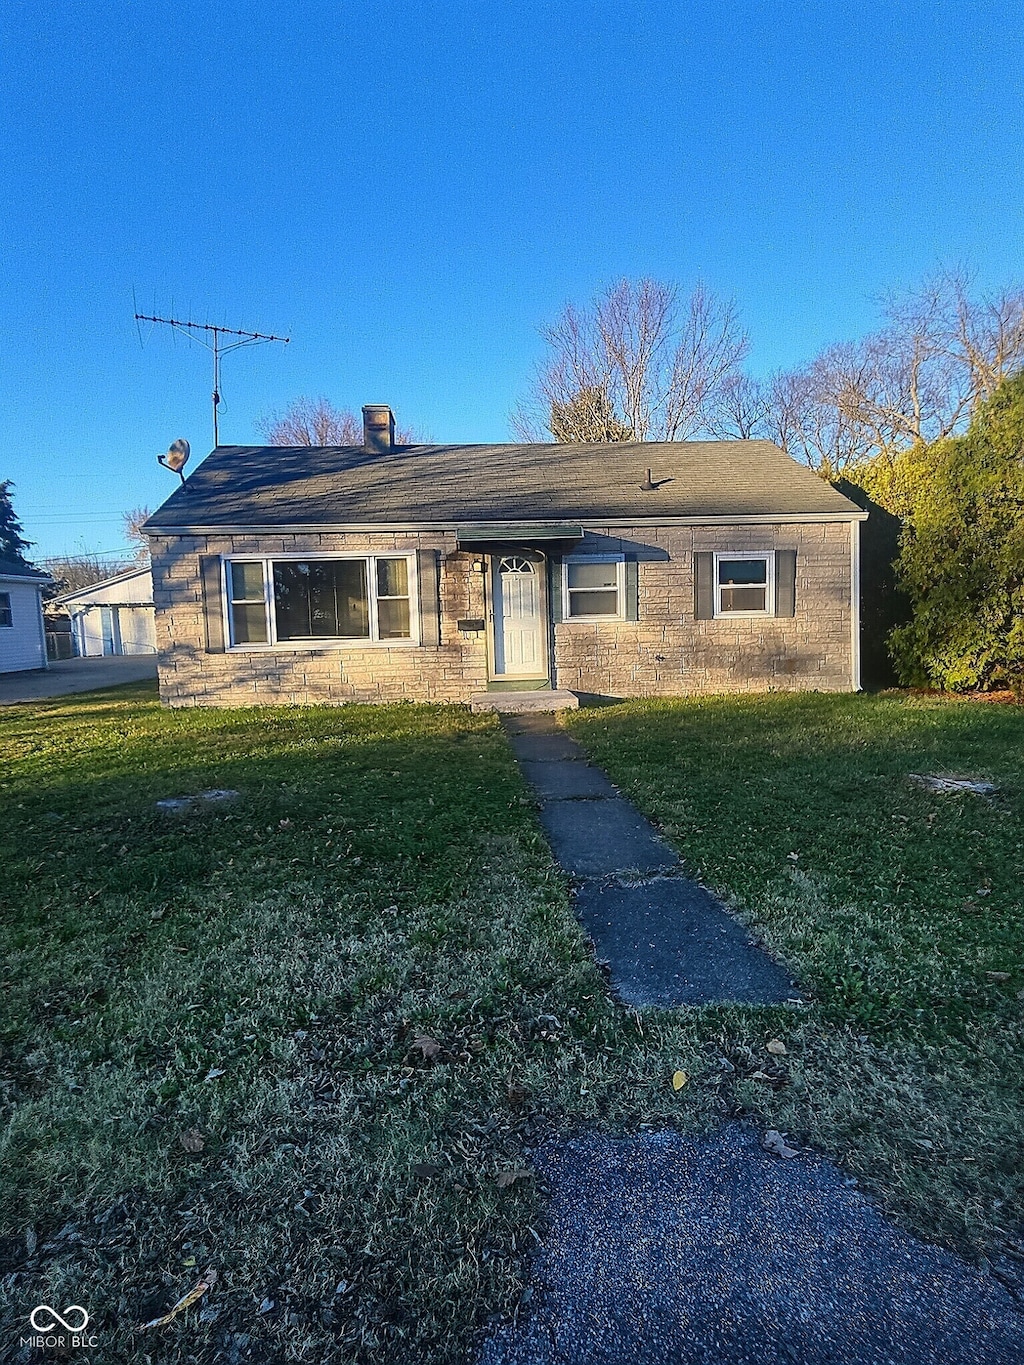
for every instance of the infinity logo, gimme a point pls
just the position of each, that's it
(49, 1326)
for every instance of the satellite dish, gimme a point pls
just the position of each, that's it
(176, 458)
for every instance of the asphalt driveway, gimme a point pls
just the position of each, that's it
(75, 675)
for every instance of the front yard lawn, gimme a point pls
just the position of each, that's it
(300, 1035)
(899, 908)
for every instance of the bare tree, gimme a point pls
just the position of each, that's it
(639, 363)
(939, 352)
(71, 572)
(587, 415)
(133, 522)
(741, 410)
(317, 422)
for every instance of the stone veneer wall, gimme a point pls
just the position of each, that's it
(665, 653)
(189, 676)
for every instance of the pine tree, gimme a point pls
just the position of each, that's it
(12, 543)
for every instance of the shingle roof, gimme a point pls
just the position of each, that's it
(282, 486)
(14, 568)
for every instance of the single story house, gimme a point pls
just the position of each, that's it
(22, 633)
(442, 572)
(113, 616)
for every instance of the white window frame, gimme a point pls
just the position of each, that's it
(6, 609)
(620, 586)
(769, 596)
(272, 644)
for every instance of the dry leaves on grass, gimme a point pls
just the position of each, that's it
(775, 1143)
(679, 1079)
(208, 1280)
(506, 1178)
(192, 1140)
(429, 1048)
(777, 1047)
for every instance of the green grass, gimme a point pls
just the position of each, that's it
(382, 877)
(901, 910)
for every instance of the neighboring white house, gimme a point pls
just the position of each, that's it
(22, 634)
(114, 616)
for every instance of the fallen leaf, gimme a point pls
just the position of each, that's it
(425, 1170)
(516, 1094)
(777, 1047)
(679, 1079)
(208, 1280)
(763, 1076)
(429, 1047)
(998, 976)
(506, 1178)
(192, 1140)
(776, 1144)
(214, 1072)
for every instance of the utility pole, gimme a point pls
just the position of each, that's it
(212, 341)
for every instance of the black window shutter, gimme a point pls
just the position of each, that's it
(632, 590)
(555, 588)
(703, 585)
(785, 582)
(430, 602)
(213, 603)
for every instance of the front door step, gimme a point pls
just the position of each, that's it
(519, 685)
(515, 703)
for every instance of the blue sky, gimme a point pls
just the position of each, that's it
(409, 191)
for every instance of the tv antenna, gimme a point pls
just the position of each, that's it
(212, 341)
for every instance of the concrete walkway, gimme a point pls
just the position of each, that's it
(668, 1249)
(665, 939)
(75, 675)
(675, 1249)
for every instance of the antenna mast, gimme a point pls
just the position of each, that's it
(213, 343)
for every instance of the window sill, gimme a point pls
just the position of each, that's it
(592, 620)
(743, 616)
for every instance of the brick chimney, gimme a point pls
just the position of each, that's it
(378, 428)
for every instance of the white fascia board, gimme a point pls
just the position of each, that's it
(105, 583)
(23, 579)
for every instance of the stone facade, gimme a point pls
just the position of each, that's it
(665, 652)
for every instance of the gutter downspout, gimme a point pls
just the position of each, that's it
(42, 627)
(855, 605)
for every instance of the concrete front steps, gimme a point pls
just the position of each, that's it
(521, 703)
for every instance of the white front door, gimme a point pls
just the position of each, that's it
(519, 634)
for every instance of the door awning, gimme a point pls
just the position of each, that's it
(511, 533)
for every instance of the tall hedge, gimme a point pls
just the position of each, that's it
(961, 561)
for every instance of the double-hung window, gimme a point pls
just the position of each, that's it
(593, 588)
(294, 600)
(6, 615)
(744, 585)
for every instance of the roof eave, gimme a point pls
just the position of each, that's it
(452, 527)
